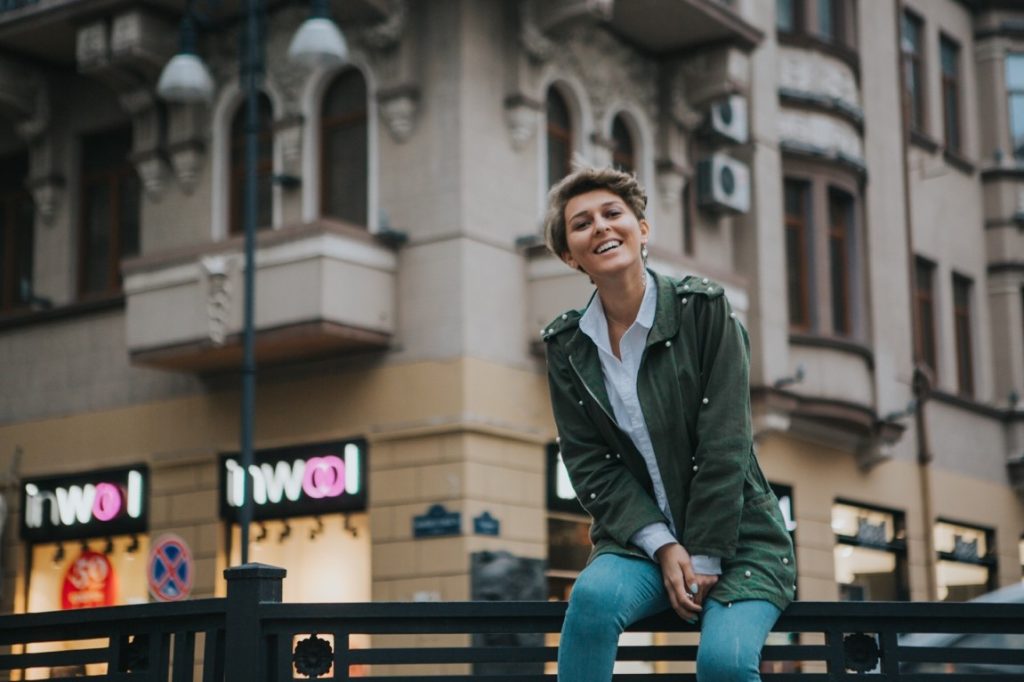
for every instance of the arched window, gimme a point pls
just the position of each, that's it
(264, 167)
(344, 157)
(623, 156)
(559, 137)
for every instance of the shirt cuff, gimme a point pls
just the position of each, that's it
(706, 565)
(653, 537)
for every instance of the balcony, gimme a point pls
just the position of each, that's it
(321, 289)
(46, 29)
(657, 26)
(251, 636)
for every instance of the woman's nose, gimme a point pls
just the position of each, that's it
(600, 224)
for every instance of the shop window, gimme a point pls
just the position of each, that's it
(870, 553)
(1015, 93)
(949, 56)
(823, 251)
(559, 137)
(568, 528)
(623, 154)
(966, 566)
(110, 211)
(962, 287)
(264, 167)
(924, 298)
(912, 50)
(344, 149)
(17, 220)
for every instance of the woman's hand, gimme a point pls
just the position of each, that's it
(679, 579)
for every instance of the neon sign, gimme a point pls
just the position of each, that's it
(298, 480)
(99, 503)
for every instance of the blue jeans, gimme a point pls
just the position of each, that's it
(615, 591)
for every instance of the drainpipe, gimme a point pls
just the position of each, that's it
(920, 383)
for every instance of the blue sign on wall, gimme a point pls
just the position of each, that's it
(485, 524)
(436, 522)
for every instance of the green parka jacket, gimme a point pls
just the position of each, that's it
(693, 387)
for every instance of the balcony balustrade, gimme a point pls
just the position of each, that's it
(323, 288)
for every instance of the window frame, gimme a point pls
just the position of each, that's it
(926, 339)
(916, 61)
(800, 227)
(116, 174)
(624, 159)
(963, 332)
(329, 125)
(842, 325)
(989, 560)
(18, 247)
(237, 168)
(951, 86)
(1012, 93)
(565, 134)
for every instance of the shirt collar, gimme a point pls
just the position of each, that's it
(594, 324)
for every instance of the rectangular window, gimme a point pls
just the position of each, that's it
(870, 553)
(797, 212)
(830, 20)
(966, 565)
(924, 300)
(109, 227)
(949, 52)
(787, 15)
(17, 219)
(962, 325)
(840, 217)
(1015, 93)
(688, 218)
(911, 33)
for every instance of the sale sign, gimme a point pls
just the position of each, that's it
(90, 581)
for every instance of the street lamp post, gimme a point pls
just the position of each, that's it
(185, 79)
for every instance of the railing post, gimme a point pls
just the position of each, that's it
(248, 586)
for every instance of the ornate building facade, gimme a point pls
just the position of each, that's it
(851, 171)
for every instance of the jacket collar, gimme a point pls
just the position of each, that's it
(583, 353)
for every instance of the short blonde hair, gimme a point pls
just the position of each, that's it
(585, 179)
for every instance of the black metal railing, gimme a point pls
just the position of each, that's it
(252, 636)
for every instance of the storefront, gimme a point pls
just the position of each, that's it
(309, 516)
(965, 566)
(87, 537)
(870, 552)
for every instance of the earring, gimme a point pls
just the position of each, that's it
(643, 252)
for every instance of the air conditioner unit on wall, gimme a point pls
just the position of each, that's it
(723, 184)
(727, 118)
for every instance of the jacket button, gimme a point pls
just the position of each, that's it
(593, 496)
(684, 301)
(694, 467)
(618, 456)
(785, 560)
(668, 344)
(608, 455)
(705, 401)
(686, 287)
(704, 281)
(564, 316)
(746, 574)
(581, 403)
(710, 289)
(732, 315)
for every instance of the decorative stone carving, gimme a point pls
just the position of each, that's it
(142, 39)
(288, 135)
(807, 71)
(611, 71)
(186, 142)
(522, 116)
(716, 72)
(399, 109)
(47, 195)
(670, 179)
(217, 270)
(537, 45)
(151, 169)
(821, 131)
(387, 34)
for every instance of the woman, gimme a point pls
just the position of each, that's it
(649, 387)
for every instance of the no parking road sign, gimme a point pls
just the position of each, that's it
(170, 570)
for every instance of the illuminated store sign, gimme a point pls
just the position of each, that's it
(295, 481)
(109, 502)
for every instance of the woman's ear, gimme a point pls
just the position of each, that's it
(645, 229)
(569, 260)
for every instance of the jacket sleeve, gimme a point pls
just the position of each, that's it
(605, 487)
(724, 437)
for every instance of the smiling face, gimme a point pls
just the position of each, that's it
(604, 236)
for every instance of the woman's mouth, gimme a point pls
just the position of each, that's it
(608, 246)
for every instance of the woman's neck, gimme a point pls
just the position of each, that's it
(622, 295)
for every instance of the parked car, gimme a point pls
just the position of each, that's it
(1013, 594)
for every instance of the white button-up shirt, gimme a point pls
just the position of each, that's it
(620, 381)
